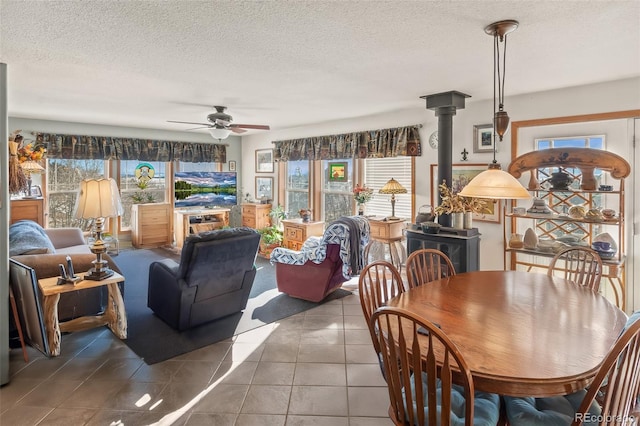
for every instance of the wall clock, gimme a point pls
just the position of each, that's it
(433, 140)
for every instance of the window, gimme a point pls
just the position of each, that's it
(298, 181)
(131, 192)
(63, 182)
(337, 195)
(561, 204)
(377, 171)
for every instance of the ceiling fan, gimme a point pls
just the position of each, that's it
(220, 125)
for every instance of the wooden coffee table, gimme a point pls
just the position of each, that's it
(114, 315)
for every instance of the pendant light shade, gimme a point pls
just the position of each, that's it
(495, 184)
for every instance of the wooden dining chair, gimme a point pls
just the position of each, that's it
(427, 265)
(379, 281)
(420, 383)
(611, 399)
(581, 265)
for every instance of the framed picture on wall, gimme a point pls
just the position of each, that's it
(264, 160)
(338, 172)
(461, 175)
(483, 140)
(264, 188)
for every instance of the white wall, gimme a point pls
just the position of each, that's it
(597, 98)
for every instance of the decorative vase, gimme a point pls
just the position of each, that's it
(530, 239)
(560, 180)
(468, 220)
(361, 209)
(457, 220)
(516, 241)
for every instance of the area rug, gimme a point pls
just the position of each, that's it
(154, 341)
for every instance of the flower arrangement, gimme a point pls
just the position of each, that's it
(454, 203)
(30, 152)
(362, 194)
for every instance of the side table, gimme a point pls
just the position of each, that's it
(114, 315)
(389, 232)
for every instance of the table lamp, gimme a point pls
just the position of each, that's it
(29, 167)
(393, 187)
(97, 199)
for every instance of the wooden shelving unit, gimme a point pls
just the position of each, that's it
(582, 164)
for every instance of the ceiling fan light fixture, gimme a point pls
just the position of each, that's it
(219, 134)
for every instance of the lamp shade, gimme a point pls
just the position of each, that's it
(31, 166)
(393, 187)
(497, 184)
(218, 133)
(98, 198)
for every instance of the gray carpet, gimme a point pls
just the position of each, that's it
(154, 341)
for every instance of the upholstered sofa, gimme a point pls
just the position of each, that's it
(212, 280)
(46, 249)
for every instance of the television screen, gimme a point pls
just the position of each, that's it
(205, 189)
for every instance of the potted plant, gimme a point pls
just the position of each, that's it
(460, 208)
(270, 238)
(362, 195)
(277, 214)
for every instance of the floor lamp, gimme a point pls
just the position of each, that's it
(97, 199)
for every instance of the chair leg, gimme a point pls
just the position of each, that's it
(16, 319)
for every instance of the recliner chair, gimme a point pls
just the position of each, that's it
(213, 279)
(322, 264)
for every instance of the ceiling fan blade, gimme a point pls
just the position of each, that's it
(197, 128)
(188, 122)
(237, 130)
(251, 126)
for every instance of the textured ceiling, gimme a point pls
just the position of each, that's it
(292, 63)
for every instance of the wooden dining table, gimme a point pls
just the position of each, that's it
(521, 333)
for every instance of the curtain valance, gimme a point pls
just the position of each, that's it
(113, 148)
(393, 142)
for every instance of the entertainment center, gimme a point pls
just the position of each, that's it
(192, 221)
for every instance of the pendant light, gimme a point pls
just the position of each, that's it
(499, 30)
(495, 183)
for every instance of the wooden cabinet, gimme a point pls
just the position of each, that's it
(296, 232)
(193, 221)
(256, 216)
(597, 183)
(151, 225)
(28, 209)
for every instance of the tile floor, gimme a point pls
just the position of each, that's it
(315, 368)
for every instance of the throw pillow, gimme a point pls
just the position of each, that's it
(27, 237)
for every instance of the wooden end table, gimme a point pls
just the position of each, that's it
(389, 233)
(114, 315)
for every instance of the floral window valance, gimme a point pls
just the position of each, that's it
(113, 148)
(394, 142)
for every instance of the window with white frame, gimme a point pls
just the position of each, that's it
(377, 171)
(63, 182)
(297, 190)
(337, 187)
